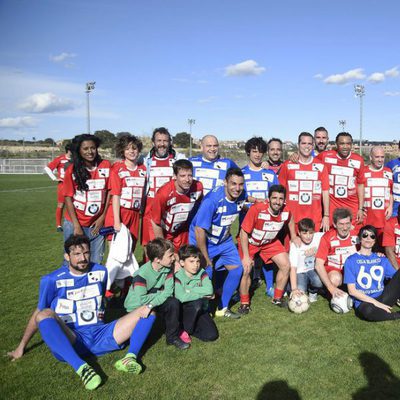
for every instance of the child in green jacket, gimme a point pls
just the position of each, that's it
(193, 288)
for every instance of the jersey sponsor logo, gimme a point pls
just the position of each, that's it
(195, 195)
(181, 207)
(340, 191)
(264, 216)
(79, 195)
(96, 184)
(335, 243)
(331, 160)
(267, 177)
(293, 166)
(92, 208)
(172, 201)
(95, 195)
(293, 197)
(68, 318)
(96, 276)
(142, 173)
(341, 180)
(216, 230)
(317, 167)
(207, 173)
(196, 163)
(306, 175)
(293, 186)
(221, 165)
(378, 204)
(354, 163)
(354, 240)
(64, 283)
(317, 187)
(378, 192)
(305, 198)
(378, 182)
(160, 181)
(181, 217)
(257, 185)
(84, 292)
(64, 306)
(306, 185)
(388, 175)
(284, 215)
(227, 220)
(104, 172)
(345, 171)
(367, 174)
(134, 181)
(272, 226)
(161, 171)
(257, 234)
(87, 317)
(79, 206)
(123, 174)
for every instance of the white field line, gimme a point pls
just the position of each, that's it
(40, 188)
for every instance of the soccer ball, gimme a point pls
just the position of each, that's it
(342, 305)
(299, 303)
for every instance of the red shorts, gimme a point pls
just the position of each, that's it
(130, 218)
(60, 194)
(266, 251)
(330, 269)
(179, 240)
(147, 233)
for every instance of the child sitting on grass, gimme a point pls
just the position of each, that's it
(302, 261)
(193, 288)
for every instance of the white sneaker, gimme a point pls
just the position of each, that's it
(313, 297)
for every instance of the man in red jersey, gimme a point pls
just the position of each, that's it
(391, 240)
(345, 178)
(59, 164)
(378, 184)
(175, 204)
(335, 246)
(307, 185)
(159, 164)
(258, 235)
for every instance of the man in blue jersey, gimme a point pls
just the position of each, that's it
(210, 231)
(394, 165)
(70, 313)
(257, 181)
(209, 168)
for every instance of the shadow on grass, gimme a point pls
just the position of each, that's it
(382, 383)
(277, 390)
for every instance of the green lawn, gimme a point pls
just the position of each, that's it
(269, 354)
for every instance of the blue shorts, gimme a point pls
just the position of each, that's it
(95, 340)
(223, 254)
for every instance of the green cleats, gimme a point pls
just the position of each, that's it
(129, 364)
(90, 379)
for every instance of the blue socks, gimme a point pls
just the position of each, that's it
(58, 343)
(268, 275)
(230, 285)
(140, 334)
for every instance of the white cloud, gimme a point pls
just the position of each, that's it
(341, 79)
(245, 68)
(318, 76)
(393, 72)
(376, 77)
(392, 94)
(62, 57)
(46, 103)
(17, 122)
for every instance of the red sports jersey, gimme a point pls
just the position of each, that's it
(334, 250)
(262, 226)
(344, 177)
(172, 210)
(88, 204)
(378, 186)
(160, 172)
(128, 184)
(59, 164)
(391, 236)
(304, 184)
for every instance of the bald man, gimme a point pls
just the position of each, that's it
(378, 184)
(209, 168)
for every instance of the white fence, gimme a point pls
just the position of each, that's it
(23, 165)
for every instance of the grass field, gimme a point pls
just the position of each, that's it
(269, 354)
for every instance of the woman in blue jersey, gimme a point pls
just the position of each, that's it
(365, 273)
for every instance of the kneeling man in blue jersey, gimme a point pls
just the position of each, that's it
(70, 313)
(210, 232)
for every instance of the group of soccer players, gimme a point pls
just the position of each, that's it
(300, 218)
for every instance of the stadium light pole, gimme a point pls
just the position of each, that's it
(89, 88)
(342, 124)
(360, 92)
(190, 122)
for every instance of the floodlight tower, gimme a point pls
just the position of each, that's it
(190, 122)
(360, 92)
(342, 124)
(89, 88)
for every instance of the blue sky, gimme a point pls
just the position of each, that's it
(239, 68)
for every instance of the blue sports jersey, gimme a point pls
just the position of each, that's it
(76, 299)
(394, 165)
(257, 183)
(216, 215)
(211, 173)
(367, 273)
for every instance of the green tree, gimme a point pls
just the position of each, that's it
(182, 139)
(107, 138)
